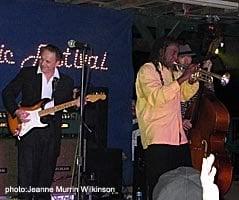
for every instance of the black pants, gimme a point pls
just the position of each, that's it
(161, 158)
(37, 156)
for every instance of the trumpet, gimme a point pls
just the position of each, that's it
(205, 76)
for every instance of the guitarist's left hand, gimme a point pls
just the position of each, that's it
(78, 102)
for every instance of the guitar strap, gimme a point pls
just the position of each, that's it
(54, 85)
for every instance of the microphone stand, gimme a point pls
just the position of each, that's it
(80, 155)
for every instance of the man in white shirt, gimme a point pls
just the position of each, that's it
(39, 148)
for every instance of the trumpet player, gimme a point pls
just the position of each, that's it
(159, 90)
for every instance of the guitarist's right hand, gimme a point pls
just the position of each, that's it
(22, 115)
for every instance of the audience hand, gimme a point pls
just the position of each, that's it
(210, 189)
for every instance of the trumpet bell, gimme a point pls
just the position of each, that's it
(205, 76)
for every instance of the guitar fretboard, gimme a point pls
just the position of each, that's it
(57, 108)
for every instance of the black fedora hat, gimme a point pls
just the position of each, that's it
(185, 50)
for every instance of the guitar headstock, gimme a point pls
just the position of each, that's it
(95, 97)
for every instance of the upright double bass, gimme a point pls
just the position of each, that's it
(210, 121)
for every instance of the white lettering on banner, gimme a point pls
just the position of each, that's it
(66, 55)
(6, 55)
(71, 59)
(34, 58)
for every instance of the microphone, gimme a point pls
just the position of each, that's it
(77, 45)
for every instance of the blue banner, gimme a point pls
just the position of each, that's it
(26, 25)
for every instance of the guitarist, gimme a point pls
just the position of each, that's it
(39, 148)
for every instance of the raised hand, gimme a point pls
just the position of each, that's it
(210, 189)
(187, 74)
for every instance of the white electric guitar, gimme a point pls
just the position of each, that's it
(19, 129)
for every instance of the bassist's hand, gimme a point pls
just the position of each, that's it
(22, 115)
(187, 124)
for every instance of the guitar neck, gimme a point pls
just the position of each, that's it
(59, 107)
